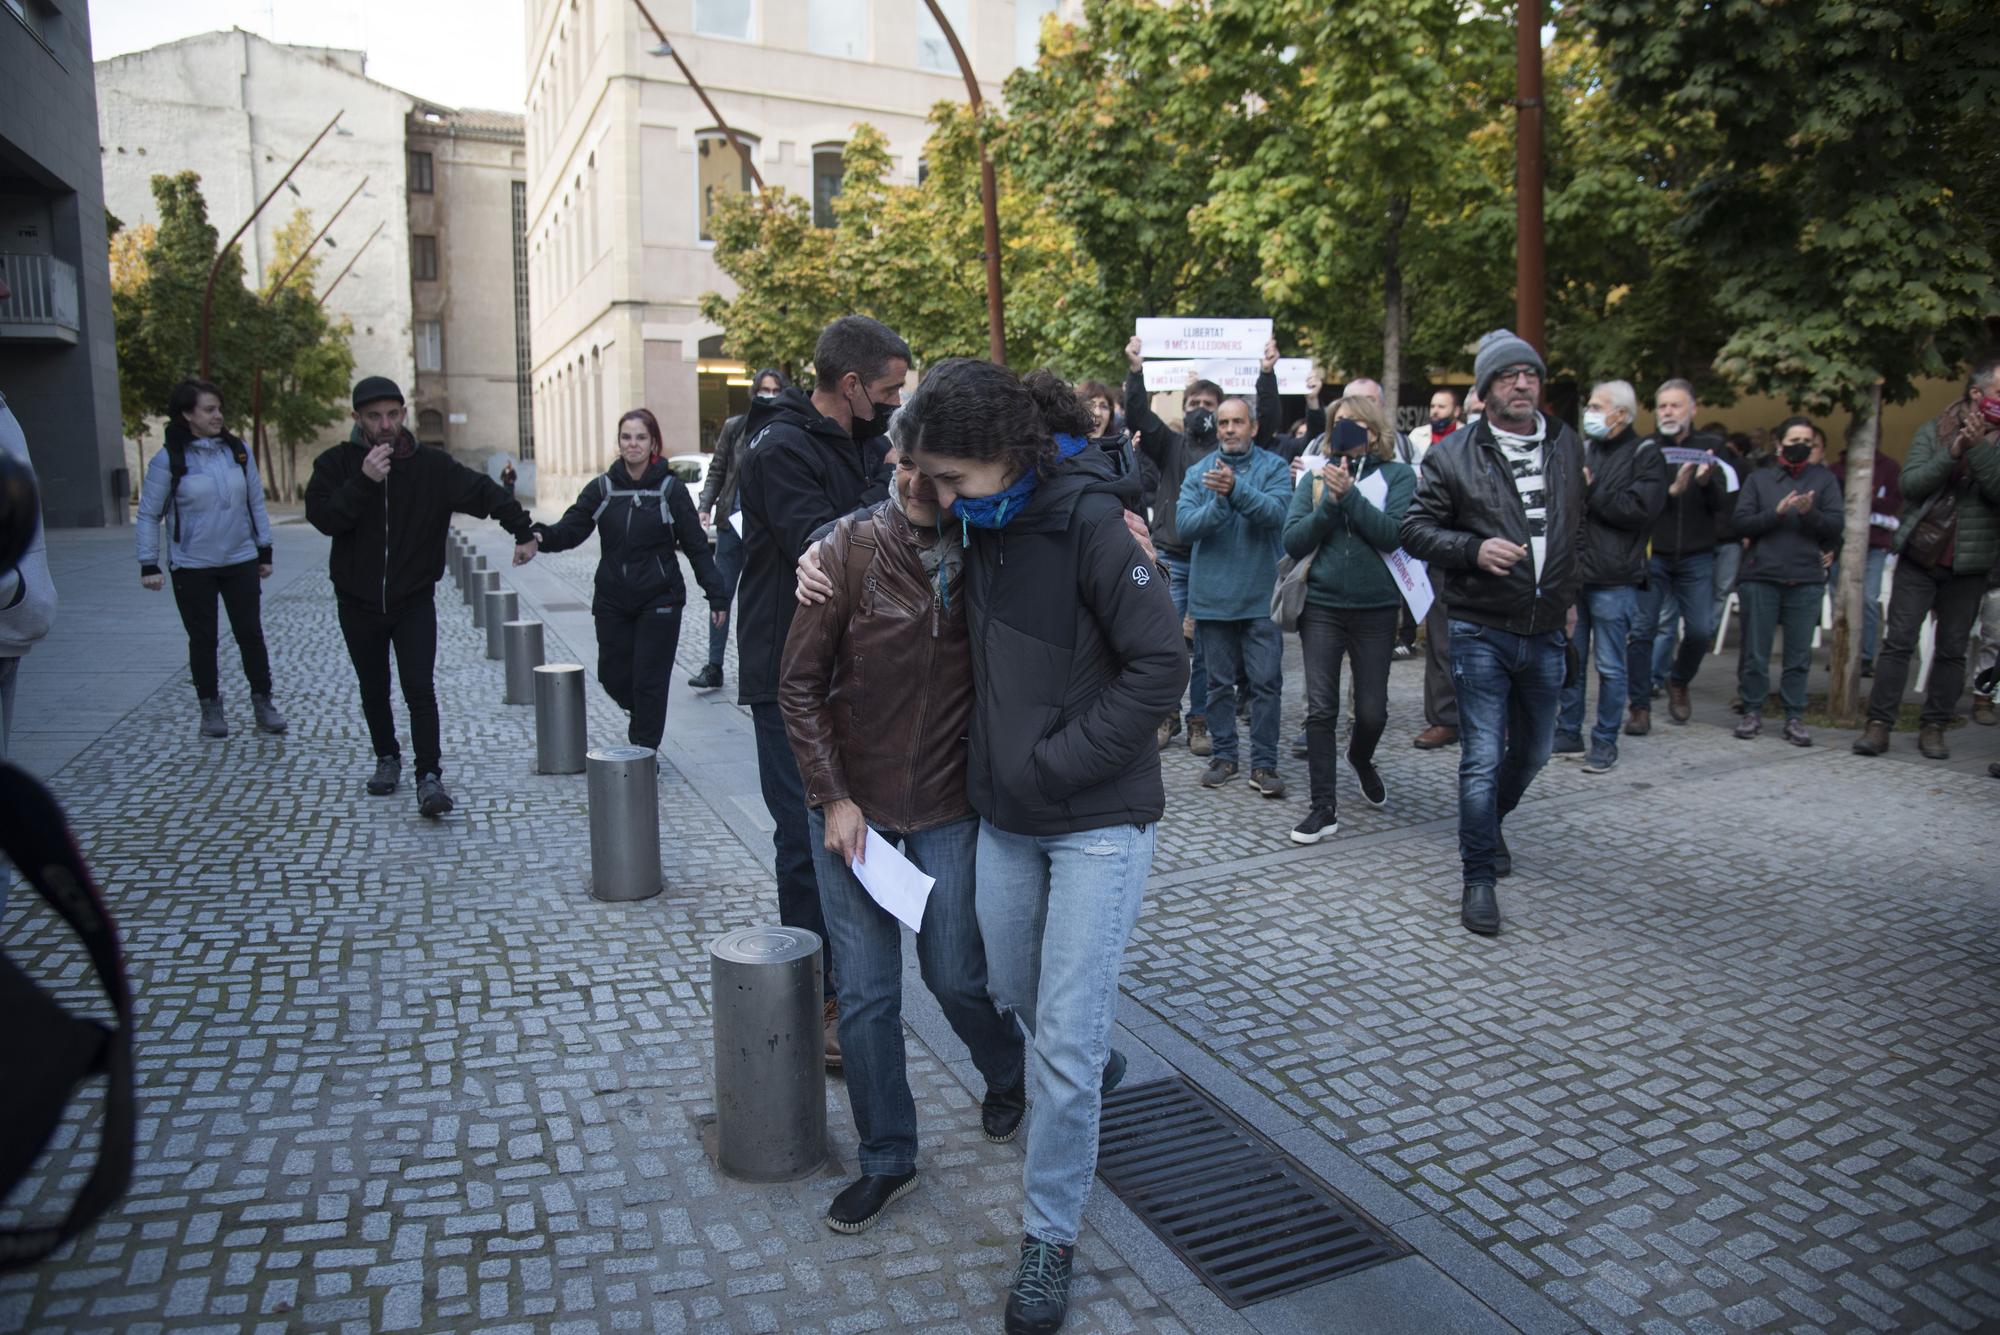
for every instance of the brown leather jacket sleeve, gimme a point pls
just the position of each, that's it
(805, 683)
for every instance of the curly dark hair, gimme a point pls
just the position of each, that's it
(971, 409)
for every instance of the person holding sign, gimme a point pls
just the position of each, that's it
(1352, 601)
(886, 752)
(1692, 567)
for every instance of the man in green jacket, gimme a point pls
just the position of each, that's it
(1954, 462)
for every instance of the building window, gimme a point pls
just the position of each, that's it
(424, 258)
(723, 18)
(720, 173)
(1028, 16)
(837, 28)
(933, 51)
(430, 428)
(420, 173)
(524, 402)
(826, 182)
(430, 345)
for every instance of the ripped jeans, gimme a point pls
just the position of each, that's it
(1055, 912)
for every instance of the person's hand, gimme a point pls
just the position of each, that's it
(814, 586)
(846, 830)
(264, 571)
(153, 582)
(1220, 479)
(375, 464)
(1298, 467)
(1701, 474)
(1682, 476)
(524, 552)
(1497, 556)
(1133, 349)
(718, 617)
(704, 518)
(1315, 379)
(1141, 535)
(1797, 502)
(1826, 560)
(1569, 623)
(1270, 359)
(1339, 481)
(1588, 480)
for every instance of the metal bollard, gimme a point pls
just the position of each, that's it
(477, 564)
(454, 555)
(502, 606)
(770, 1053)
(559, 730)
(624, 822)
(483, 583)
(523, 652)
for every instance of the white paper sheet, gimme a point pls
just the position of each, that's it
(1410, 574)
(1235, 375)
(893, 881)
(1208, 339)
(1310, 464)
(736, 522)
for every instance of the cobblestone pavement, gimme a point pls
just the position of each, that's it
(1730, 1067)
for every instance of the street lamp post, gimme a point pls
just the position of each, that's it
(1529, 314)
(208, 291)
(989, 199)
(321, 299)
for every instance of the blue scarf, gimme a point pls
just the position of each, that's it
(994, 511)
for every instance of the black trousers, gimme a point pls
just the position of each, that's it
(195, 592)
(791, 839)
(411, 630)
(1913, 594)
(1367, 637)
(635, 661)
(1440, 691)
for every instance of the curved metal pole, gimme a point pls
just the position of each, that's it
(702, 93)
(345, 267)
(278, 286)
(1528, 239)
(208, 291)
(989, 199)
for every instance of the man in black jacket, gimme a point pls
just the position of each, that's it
(1497, 515)
(387, 503)
(718, 502)
(1625, 484)
(805, 461)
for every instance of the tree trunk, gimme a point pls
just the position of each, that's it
(1392, 307)
(1843, 697)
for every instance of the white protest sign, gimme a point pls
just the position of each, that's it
(1171, 377)
(1410, 574)
(1203, 339)
(1292, 373)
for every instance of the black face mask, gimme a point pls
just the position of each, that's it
(1346, 436)
(1796, 453)
(873, 426)
(1199, 422)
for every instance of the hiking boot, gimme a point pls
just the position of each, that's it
(1749, 725)
(830, 1023)
(1930, 741)
(212, 722)
(1795, 732)
(1602, 759)
(866, 1198)
(432, 800)
(1038, 1299)
(1638, 721)
(1318, 824)
(268, 717)
(1372, 786)
(1873, 741)
(1435, 736)
(1001, 1111)
(1680, 707)
(1170, 728)
(1479, 910)
(1982, 711)
(1267, 782)
(709, 679)
(1218, 773)
(1198, 741)
(1567, 744)
(388, 773)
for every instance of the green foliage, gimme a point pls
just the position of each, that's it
(308, 364)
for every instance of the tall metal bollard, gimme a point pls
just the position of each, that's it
(454, 556)
(770, 1053)
(524, 655)
(502, 606)
(559, 730)
(483, 583)
(475, 567)
(624, 822)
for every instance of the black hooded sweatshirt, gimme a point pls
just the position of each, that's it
(796, 470)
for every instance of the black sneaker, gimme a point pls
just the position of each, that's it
(1218, 773)
(1319, 823)
(432, 800)
(1267, 782)
(865, 1199)
(1568, 744)
(388, 774)
(708, 679)
(1038, 1299)
(1001, 1111)
(1372, 787)
(1114, 1072)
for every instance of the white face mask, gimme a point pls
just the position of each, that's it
(1594, 424)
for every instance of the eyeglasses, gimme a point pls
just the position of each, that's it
(1519, 373)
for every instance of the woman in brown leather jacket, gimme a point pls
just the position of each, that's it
(877, 697)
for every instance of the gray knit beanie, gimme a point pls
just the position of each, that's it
(1499, 350)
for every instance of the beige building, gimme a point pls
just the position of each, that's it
(625, 164)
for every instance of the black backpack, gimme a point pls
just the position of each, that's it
(177, 467)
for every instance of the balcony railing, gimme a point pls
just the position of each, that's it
(42, 304)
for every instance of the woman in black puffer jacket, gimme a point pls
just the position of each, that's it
(642, 515)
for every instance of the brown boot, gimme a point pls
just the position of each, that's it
(1639, 721)
(1198, 740)
(1435, 736)
(1679, 707)
(1982, 711)
(831, 1021)
(1873, 741)
(1930, 741)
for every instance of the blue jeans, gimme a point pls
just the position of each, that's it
(950, 956)
(1177, 588)
(1255, 651)
(785, 799)
(728, 561)
(1605, 615)
(1767, 608)
(1507, 698)
(1677, 588)
(1056, 911)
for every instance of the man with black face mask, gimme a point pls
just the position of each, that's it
(718, 499)
(807, 460)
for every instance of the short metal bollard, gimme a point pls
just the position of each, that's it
(523, 654)
(502, 606)
(454, 559)
(475, 566)
(483, 583)
(770, 1053)
(624, 822)
(559, 729)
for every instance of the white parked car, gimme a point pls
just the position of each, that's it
(692, 469)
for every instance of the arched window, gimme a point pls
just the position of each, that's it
(827, 173)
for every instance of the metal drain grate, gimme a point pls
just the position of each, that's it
(1245, 1216)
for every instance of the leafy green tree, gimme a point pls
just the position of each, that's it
(305, 356)
(786, 289)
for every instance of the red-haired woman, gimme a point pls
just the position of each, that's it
(642, 514)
